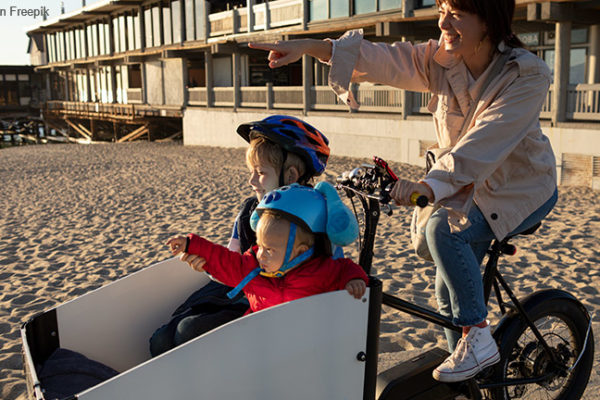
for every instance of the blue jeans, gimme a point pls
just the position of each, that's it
(458, 256)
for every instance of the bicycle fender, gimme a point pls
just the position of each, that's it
(530, 302)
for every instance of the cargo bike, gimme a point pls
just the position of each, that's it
(320, 347)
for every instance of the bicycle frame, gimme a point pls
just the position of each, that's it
(491, 278)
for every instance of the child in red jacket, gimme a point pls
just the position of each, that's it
(294, 225)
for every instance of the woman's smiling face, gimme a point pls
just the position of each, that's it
(462, 31)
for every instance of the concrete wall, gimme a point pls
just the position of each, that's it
(574, 141)
(365, 135)
(165, 82)
(354, 135)
(154, 82)
(174, 81)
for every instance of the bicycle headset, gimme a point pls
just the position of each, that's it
(294, 136)
(300, 205)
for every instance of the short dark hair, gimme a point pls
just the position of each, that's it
(496, 14)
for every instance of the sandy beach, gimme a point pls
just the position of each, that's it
(76, 217)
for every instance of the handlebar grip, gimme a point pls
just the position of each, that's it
(418, 199)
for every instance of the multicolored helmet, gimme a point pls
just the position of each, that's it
(295, 136)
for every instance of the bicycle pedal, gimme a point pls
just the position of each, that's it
(468, 389)
(485, 373)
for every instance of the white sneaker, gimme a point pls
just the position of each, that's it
(473, 353)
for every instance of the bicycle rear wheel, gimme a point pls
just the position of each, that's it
(564, 324)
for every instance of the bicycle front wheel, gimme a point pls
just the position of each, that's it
(565, 326)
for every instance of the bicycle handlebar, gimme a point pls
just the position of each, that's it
(374, 182)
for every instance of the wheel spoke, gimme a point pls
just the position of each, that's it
(563, 326)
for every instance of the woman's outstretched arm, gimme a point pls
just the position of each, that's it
(285, 52)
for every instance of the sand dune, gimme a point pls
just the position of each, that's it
(76, 217)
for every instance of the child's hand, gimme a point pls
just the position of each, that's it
(194, 261)
(177, 244)
(356, 287)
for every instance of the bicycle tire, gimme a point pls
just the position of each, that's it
(564, 323)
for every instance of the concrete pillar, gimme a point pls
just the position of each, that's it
(407, 8)
(236, 79)
(269, 95)
(66, 86)
(208, 68)
(113, 83)
(354, 87)
(561, 71)
(144, 74)
(594, 58)
(48, 96)
(185, 81)
(111, 36)
(307, 83)
(250, 6)
(93, 128)
(88, 82)
(305, 14)
(268, 15)
(182, 23)
(235, 21)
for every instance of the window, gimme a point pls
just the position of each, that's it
(576, 64)
(364, 6)
(134, 76)
(339, 8)
(530, 39)
(425, 3)
(196, 73)
(318, 10)
(390, 4)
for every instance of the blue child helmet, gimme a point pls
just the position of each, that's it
(295, 136)
(309, 208)
(320, 210)
(302, 205)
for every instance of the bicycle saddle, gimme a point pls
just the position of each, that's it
(526, 231)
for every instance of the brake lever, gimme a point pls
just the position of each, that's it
(385, 167)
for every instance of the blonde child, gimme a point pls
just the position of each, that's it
(282, 150)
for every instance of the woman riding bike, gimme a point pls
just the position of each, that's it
(497, 177)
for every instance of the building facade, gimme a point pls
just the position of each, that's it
(127, 69)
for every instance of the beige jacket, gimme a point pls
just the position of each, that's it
(504, 153)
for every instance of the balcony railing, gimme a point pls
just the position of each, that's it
(134, 96)
(279, 13)
(223, 96)
(288, 97)
(108, 110)
(583, 101)
(254, 96)
(197, 96)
